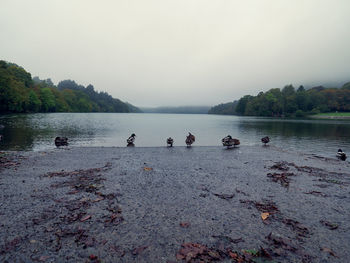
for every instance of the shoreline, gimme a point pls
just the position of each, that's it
(330, 117)
(53, 148)
(158, 204)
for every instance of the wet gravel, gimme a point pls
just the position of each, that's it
(173, 205)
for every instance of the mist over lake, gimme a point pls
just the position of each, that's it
(37, 131)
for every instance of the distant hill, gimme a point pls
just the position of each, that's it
(224, 108)
(19, 92)
(179, 109)
(102, 101)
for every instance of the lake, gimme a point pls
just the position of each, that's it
(37, 131)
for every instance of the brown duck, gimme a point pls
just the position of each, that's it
(228, 141)
(265, 140)
(190, 139)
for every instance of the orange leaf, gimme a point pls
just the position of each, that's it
(330, 251)
(147, 168)
(264, 216)
(85, 218)
(233, 255)
(99, 199)
(185, 224)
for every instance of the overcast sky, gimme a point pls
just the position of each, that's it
(179, 52)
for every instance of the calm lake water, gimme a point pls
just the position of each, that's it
(37, 131)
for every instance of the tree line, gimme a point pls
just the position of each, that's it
(20, 93)
(289, 102)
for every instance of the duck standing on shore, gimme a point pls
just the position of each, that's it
(190, 139)
(61, 141)
(131, 140)
(265, 140)
(341, 155)
(170, 142)
(228, 141)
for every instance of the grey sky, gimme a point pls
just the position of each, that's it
(179, 52)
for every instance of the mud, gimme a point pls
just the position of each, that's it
(199, 204)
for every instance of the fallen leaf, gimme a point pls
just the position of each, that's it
(13, 243)
(330, 251)
(281, 243)
(301, 230)
(224, 196)
(185, 224)
(99, 199)
(147, 168)
(264, 216)
(179, 256)
(85, 218)
(117, 250)
(214, 254)
(330, 225)
(191, 251)
(233, 255)
(73, 192)
(139, 250)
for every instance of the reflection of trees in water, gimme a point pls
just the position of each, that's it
(38, 131)
(17, 135)
(25, 131)
(311, 137)
(297, 129)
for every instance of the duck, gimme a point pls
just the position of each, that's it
(265, 140)
(190, 139)
(341, 155)
(170, 142)
(61, 141)
(131, 140)
(228, 141)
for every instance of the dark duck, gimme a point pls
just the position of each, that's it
(190, 139)
(265, 140)
(341, 155)
(131, 140)
(170, 142)
(61, 141)
(228, 141)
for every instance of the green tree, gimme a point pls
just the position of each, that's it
(47, 100)
(301, 88)
(242, 104)
(34, 103)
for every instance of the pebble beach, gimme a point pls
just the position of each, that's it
(198, 204)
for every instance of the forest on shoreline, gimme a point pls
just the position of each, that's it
(289, 102)
(20, 93)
